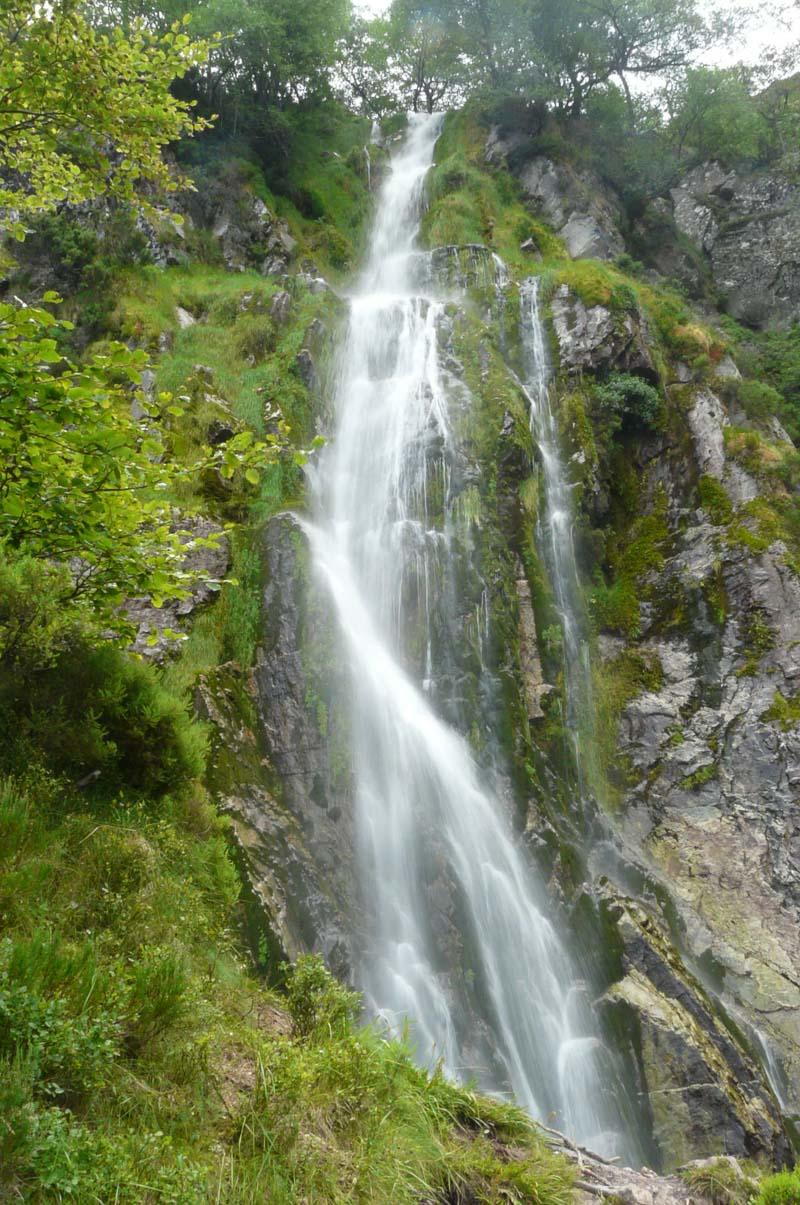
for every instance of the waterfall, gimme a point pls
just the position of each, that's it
(555, 528)
(457, 941)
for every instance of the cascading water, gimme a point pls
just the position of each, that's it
(518, 1018)
(556, 525)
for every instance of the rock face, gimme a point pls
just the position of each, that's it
(748, 226)
(711, 820)
(304, 737)
(153, 622)
(251, 236)
(716, 807)
(592, 338)
(704, 1094)
(577, 205)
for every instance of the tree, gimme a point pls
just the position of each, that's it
(428, 54)
(713, 114)
(274, 53)
(85, 485)
(368, 78)
(585, 43)
(86, 114)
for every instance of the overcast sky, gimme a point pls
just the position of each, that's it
(773, 24)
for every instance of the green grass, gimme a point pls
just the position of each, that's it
(228, 308)
(142, 1062)
(785, 712)
(469, 203)
(723, 1183)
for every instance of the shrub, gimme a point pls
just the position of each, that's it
(158, 998)
(46, 1017)
(316, 1001)
(626, 398)
(780, 1189)
(35, 626)
(95, 710)
(721, 1181)
(254, 336)
(715, 500)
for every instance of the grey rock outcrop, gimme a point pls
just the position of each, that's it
(748, 226)
(716, 808)
(592, 338)
(290, 906)
(304, 736)
(704, 1093)
(576, 204)
(209, 560)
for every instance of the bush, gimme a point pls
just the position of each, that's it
(45, 1017)
(35, 625)
(316, 1001)
(628, 398)
(95, 710)
(723, 1181)
(254, 336)
(780, 1189)
(158, 998)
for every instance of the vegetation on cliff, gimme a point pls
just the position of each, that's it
(140, 1056)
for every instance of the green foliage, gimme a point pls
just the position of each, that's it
(714, 113)
(785, 712)
(254, 336)
(715, 500)
(616, 682)
(317, 1004)
(639, 552)
(781, 1189)
(82, 482)
(759, 639)
(706, 774)
(83, 114)
(79, 706)
(470, 204)
(140, 1062)
(628, 398)
(722, 1182)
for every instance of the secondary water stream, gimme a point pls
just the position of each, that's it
(427, 821)
(556, 527)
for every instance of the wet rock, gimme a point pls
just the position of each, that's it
(287, 907)
(306, 368)
(219, 432)
(530, 663)
(165, 238)
(715, 808)
(704, 1092)
(280, 307)
(531, 248)
(585, 238)
(305, 738)
(577, 204)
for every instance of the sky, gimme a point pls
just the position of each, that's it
(772, 24)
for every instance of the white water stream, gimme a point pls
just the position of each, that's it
(423, 810)
(556, 526)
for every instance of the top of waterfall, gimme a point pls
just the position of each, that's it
(397, 219)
